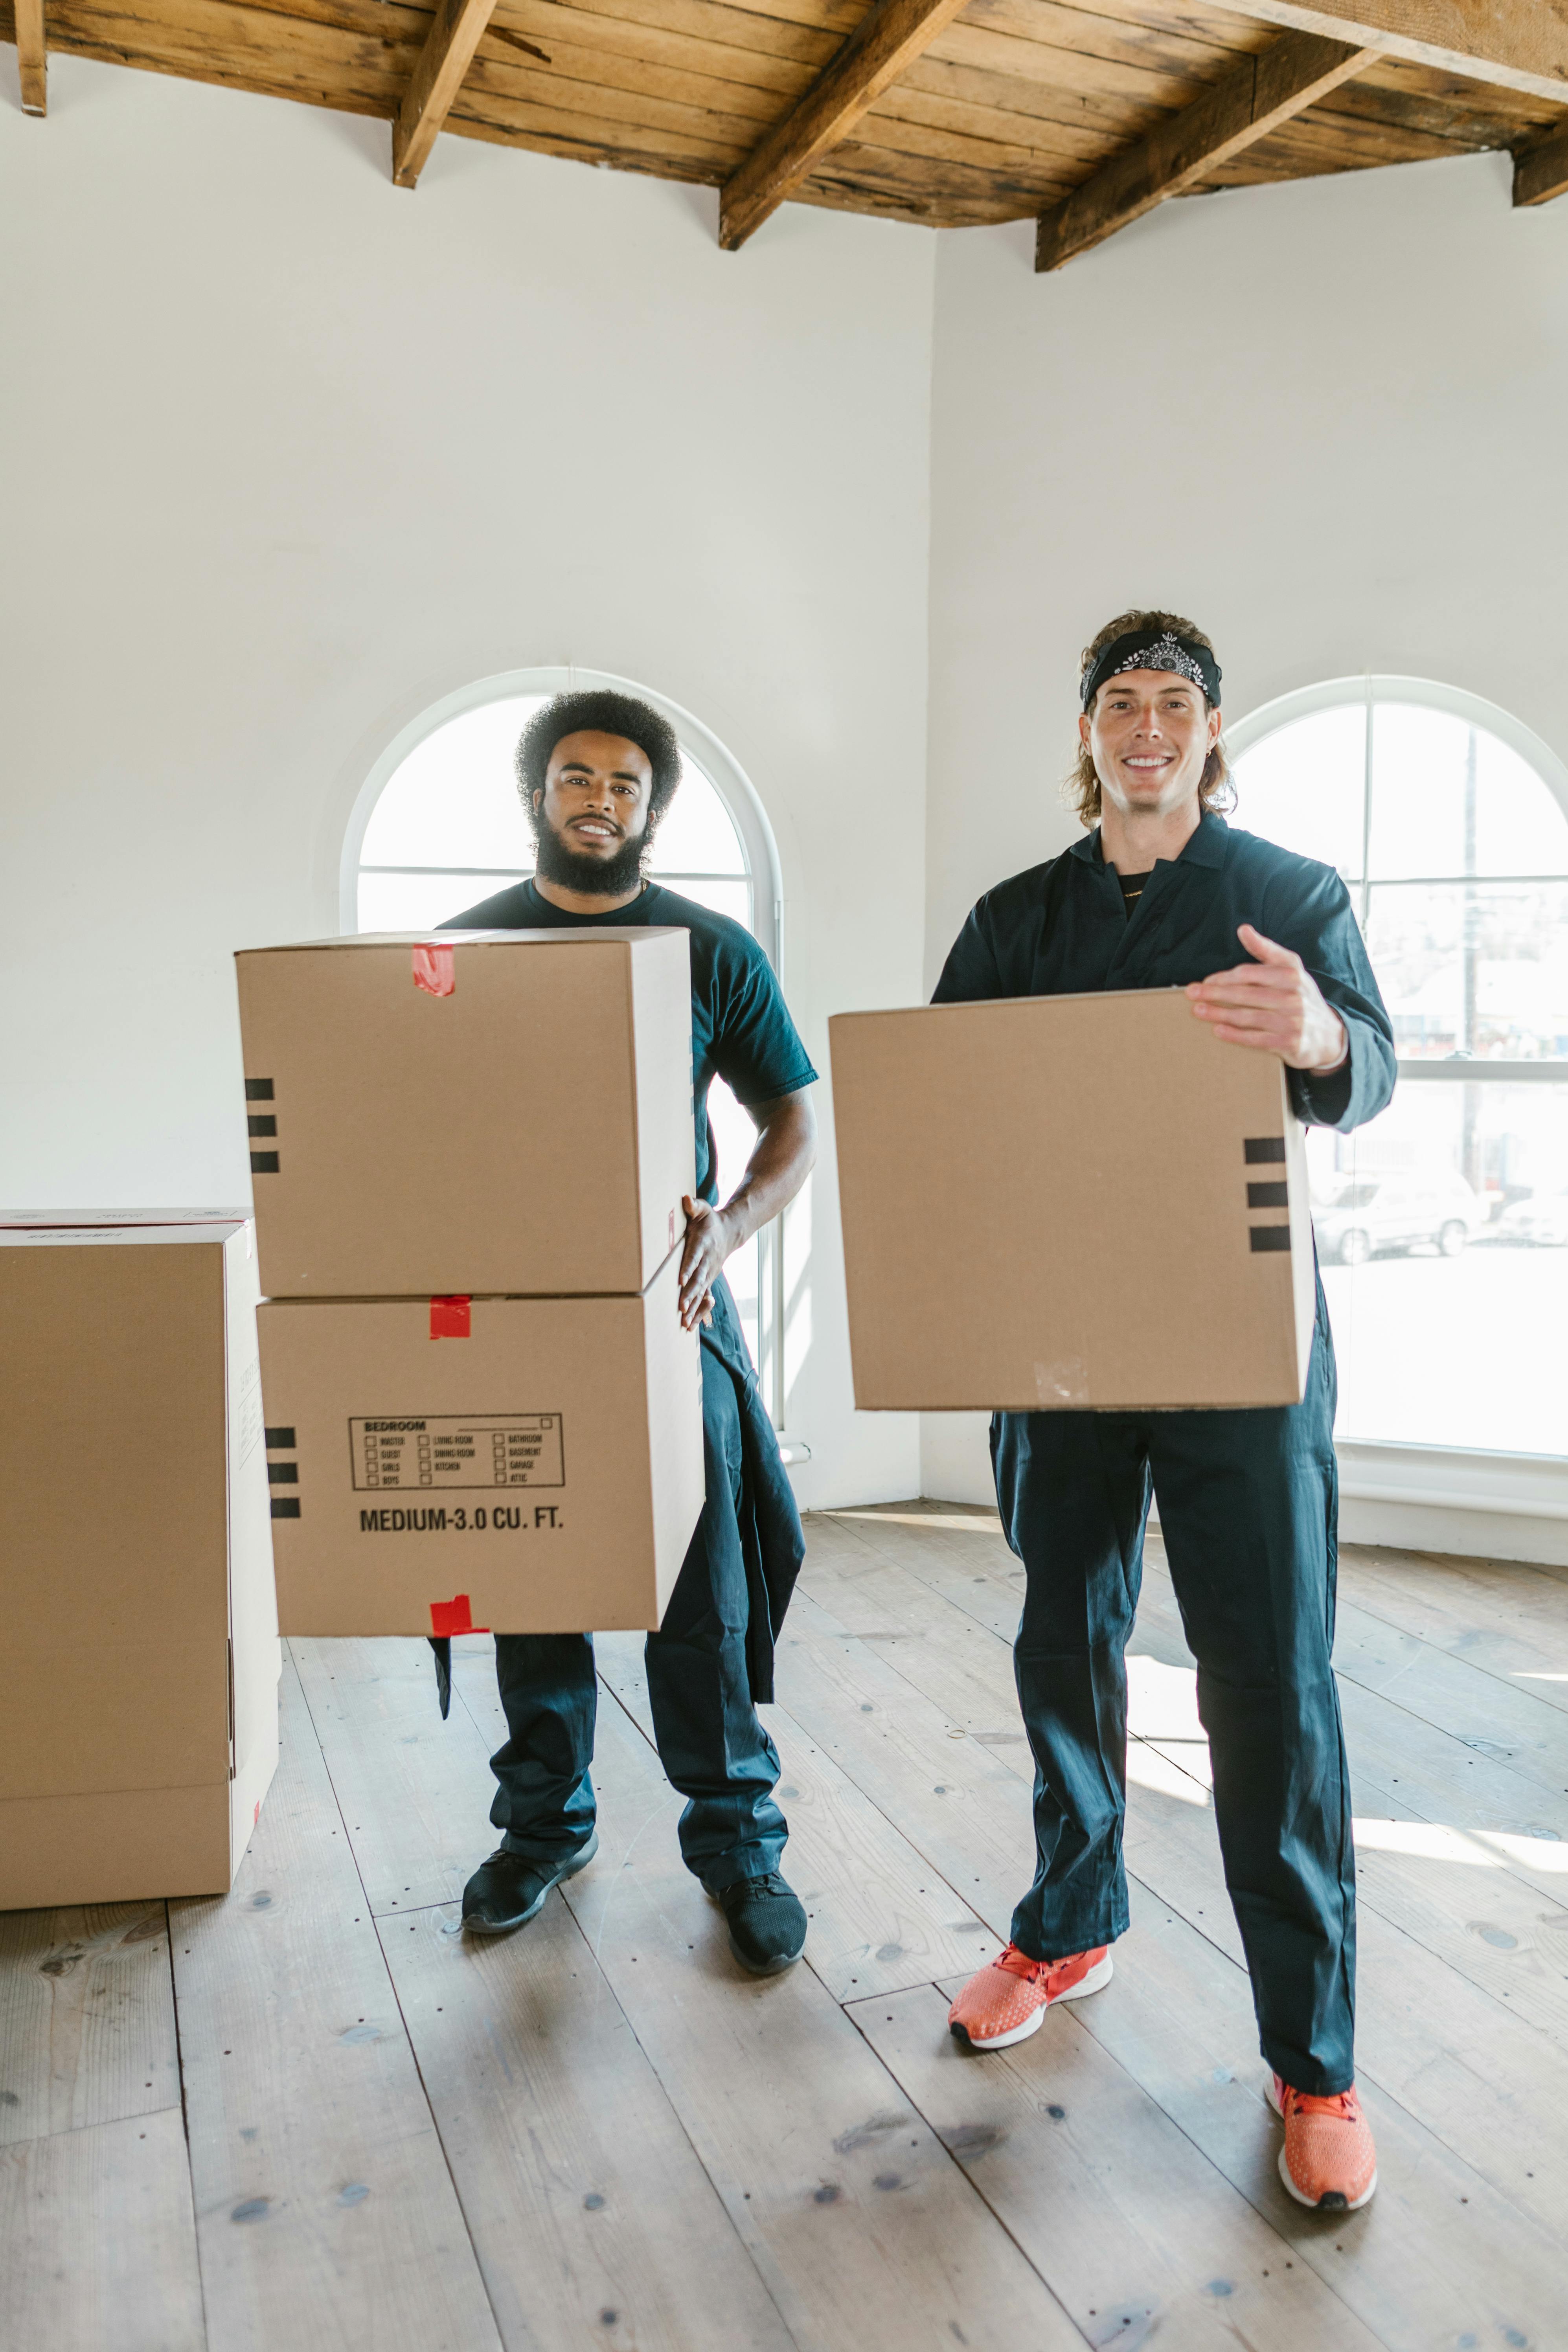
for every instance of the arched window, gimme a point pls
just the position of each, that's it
(439, 825)
(1443, 1225)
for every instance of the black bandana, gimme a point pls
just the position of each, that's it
(1154, 649)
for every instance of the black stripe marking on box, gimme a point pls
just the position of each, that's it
(285, 1506)
(262, 1124)
(258, 1091)
(280, 1440)
(1269, 1196)
(1264, 1150)
(1270, 1237)
(264, 1164)
(283, 1474)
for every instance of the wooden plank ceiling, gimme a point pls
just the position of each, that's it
(930, 110)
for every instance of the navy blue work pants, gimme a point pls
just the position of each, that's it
(1247, 1510)
(711, 1741)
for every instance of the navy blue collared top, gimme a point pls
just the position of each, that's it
(1061, 928)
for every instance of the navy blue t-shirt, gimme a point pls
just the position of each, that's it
(741, 1028)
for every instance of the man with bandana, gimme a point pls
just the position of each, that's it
(596, 770)
(1161, 892)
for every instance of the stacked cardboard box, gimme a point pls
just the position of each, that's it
(469, 1158)
(1060, 1202)
(140, 1729)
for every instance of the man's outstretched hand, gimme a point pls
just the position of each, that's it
(780, 1163)
(707, 1245)
(1274, 1003)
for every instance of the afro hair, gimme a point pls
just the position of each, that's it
(598, 710)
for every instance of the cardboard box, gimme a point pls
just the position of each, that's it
(139, 1728)
(536, 1468)
(491, 1112)
(1060, 1202)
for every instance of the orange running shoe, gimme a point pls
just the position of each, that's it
(1005, 2002)
(1328, 2160)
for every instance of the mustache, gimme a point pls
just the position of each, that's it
(579, 869)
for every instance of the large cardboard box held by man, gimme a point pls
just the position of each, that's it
(512, 1465)
(1063, 1201)
(486, 1112)
(140, 1728)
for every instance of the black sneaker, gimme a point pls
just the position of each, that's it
(508, 1891)
(767, 1922)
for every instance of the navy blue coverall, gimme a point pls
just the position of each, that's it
(1247, 1499)
(711, 1660)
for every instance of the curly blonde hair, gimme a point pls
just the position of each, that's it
(1080, 790)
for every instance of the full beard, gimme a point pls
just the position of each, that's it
(594, 878)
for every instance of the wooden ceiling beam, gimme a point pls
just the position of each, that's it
(456, 32)
(31, 59)
(884, 45)
(1515, 44)
(1540, 172)
(1254, 98)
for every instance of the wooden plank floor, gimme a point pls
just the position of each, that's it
(310, 2116)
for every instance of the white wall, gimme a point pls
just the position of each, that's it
(1325, 420)
(289, 452)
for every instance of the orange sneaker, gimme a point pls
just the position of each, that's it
(1328, 2160)
(1005, 2002)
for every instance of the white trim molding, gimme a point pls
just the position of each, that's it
(1444, 1499)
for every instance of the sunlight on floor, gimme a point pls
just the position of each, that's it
(1162, 1701)
(1148, 1769)
(1167, 1751)
(1163, 1717)
(1486, 1849)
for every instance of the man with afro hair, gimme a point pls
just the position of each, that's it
(597, 772)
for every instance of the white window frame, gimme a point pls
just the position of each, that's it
(757, 843)
(1440, 1497)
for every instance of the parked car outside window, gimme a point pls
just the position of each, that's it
(1541, 1220)
(1361, 1218)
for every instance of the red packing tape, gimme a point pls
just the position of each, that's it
(436, 971)
(449, 1617)
(451, 1319)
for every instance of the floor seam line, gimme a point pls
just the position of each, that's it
(668, 2097)
(440, 2140)
(971, 2184)
(396, 1998)
(664, 2090)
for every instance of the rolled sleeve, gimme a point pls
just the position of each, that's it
(1319, 923)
